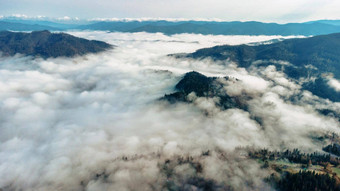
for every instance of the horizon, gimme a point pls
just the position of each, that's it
(139, 19)
(233, 10)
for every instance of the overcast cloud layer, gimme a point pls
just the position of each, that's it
(260, 10)
(93, 122)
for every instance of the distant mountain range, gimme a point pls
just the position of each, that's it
(241, 28)
(311, 61)
(46, 44)
(14, 26)
(168, 27)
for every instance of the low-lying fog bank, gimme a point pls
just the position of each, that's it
(95, 123)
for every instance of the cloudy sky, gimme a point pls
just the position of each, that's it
(260, 10)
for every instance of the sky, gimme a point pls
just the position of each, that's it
(281, 11)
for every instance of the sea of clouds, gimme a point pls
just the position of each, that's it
(95, 122)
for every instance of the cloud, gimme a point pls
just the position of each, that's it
(244, 10)
(157, 19)
(334, 83)
(23, 17)
(65, 18)
(94, 122)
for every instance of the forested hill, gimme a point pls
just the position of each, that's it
(203, 86)
(46, 44)
(312, 58)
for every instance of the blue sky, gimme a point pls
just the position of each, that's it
(260, 10)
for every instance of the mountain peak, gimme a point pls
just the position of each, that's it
(46, 44)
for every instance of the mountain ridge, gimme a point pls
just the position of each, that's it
(176, 27)
(46, 44)
(202, 86)
(315, 59)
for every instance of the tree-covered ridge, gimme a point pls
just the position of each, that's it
(203, 86)
(46, 44)
(306, 181)
(296, 170)
(313, 59)
(295, 156)
(333, 149)
(321, 52)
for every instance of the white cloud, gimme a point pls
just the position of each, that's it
(24, 17)
(69, 123)
(64, 18)
(156, 19)
(244, 10)
(334, 83)
(20, 16)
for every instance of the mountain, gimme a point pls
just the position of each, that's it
(124, 26)
(176, 27)
(55, 23)
(119, 26)
(241, 28)
(46, 44)
(330, 22)
(47, 25)
(203, 86)
(312, 61)
(216, 28)
(16, 26)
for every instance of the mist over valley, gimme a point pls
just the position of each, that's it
(135, 117)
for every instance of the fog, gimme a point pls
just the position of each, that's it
(334, 83)
(95, 122)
